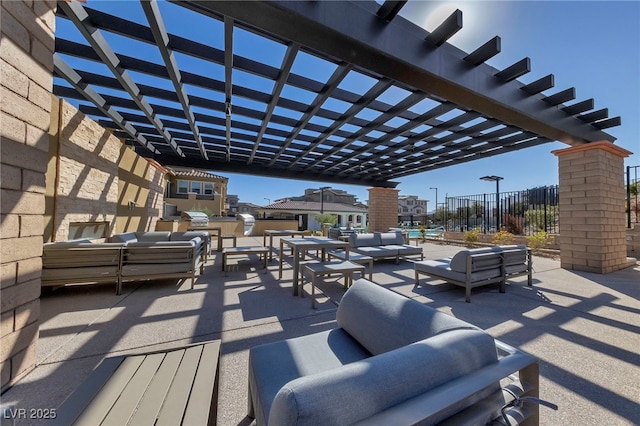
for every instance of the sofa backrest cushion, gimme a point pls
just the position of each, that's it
(124, 238)
(363, 388)
(459, 260)
(391, 238)
(381, 320)
(153, 236)
(364, 240)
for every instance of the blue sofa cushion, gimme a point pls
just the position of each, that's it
(382, 320)
(361, 389)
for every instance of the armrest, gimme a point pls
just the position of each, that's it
(441, 402)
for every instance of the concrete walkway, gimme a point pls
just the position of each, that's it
(584, 328)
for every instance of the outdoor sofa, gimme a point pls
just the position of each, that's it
(390, 361)
(479, 267)
(383, 245)
(126, 257)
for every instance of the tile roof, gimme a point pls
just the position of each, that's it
(315, 206)
(196, 173)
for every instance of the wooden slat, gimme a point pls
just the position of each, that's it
(203, 386)
(73, 406)
(133, 393)
(104, 400)
(152, 402)
(176, 401)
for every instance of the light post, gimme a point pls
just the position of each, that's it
(435, 212)
(497, 180)
(322, 198)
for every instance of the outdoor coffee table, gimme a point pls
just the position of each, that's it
(340, 267)
(243, 251)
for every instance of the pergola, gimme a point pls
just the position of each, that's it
(214, 105)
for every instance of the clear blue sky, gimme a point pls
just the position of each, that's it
(593, 46)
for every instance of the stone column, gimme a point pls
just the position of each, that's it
(592, 219)
(383, 209)
(26, 61)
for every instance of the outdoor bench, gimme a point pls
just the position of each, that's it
(173, 387)
(340, 267)
(130, 256)
(478, 267)
(243, 251)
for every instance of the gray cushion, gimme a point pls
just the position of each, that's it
(153, 236)
(362, 240)
(405, 249)
(124, 238)
(381, 320)
(361, 389)
(273, 365)
(375, 251)
(388, 238)
(80, 275)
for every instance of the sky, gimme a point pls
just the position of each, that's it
(593, 46)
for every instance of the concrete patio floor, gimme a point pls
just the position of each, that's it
(584, 328)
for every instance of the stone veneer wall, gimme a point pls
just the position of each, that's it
(83, 172)
(26, 67)
(383, 209)
(142, 182)
(592, 219)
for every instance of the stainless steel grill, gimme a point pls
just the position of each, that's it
(198, 219)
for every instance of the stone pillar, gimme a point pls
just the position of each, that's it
(592, 219)
(26, 61)
(383, 209)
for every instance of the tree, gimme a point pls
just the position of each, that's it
(326, 218)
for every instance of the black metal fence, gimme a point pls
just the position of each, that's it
(632, 207)
(520, 212)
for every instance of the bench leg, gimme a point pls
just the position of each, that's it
(417, 279)
(467, 295)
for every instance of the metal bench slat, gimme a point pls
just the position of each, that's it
(99, 407)
(204, 387)
(173, 410)
(151, 404)
(125, 406)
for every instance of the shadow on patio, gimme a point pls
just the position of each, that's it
(583, 328)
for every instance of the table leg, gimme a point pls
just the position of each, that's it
(271, 247)
(296, 270)
(281, 260)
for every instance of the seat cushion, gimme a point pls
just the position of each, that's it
(361, 389)
(273, 365)
(376, 252)
(382, 320)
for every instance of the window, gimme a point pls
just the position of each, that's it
(208, 188)
(183, 187)
(196, 187)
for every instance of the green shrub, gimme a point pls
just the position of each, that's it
(471, 237)
(538, 241)
(502, 237)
